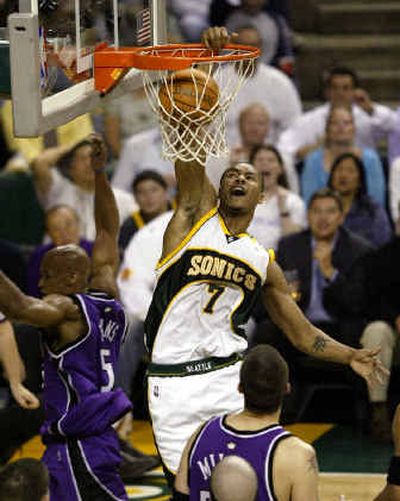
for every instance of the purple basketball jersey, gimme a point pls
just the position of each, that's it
(79, 379)
(217, 440)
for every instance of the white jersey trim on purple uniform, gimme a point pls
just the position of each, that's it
(60, 371)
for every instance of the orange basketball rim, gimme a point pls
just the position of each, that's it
(111, 64)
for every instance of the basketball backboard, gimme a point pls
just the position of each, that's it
(51, 55)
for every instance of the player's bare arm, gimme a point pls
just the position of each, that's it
(105, 255)
(295, 471)
(53, 311)
(41, 166)
(181, 479)
(195, 197)
(13, 367)
(306, 337)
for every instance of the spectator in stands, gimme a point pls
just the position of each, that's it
(276, 37)
(142, 152)
(363, 215)
(254, 129)
(372, 121)
(192, 16)
(281, 212)
(383, 308)
(267, 86)
(331, 278)
(340, 138)
(220, 9)
(76, 190)
(125, 116)
(151, 194)
(394, 191)
(24, 480)
(62, 226)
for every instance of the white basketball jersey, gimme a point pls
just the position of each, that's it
(206, 290)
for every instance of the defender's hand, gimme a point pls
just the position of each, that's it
(217, 37)
(99, 152)
(367, 365)
(24, 398)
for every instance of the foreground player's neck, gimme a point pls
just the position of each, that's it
(235, 222)
(251, 421)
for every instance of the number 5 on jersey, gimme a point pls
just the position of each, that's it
(107, 367)
(216, 291)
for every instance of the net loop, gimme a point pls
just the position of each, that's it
(197, 133)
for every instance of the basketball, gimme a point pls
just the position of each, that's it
(189, 94)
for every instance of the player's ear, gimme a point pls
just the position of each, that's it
(240, 388)
(288, 388)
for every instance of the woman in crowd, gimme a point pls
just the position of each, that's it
(363, 215)
(340, 138)
(281, 212)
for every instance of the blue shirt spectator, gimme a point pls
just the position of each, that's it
(340, 139)
(362, 214)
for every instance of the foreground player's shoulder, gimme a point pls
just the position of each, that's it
(295, 460)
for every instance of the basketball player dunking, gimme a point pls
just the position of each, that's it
(208, 280)
(83, 326)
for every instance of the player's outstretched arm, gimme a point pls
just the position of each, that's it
(306, 337)
(105, 256)
(48, 312)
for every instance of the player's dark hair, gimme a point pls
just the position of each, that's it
(263, 379)
(149, 175)
(362, 190)
(327, 193)
(66, 160)
(282, 179)
(24, 480)
(341, 71)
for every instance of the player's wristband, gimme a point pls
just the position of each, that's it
(394, 471)
(179, 496)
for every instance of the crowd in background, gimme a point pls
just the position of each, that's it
(330, 209)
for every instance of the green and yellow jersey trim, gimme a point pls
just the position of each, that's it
(226, 231)
(191, 233)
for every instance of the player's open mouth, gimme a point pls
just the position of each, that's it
(238, 191)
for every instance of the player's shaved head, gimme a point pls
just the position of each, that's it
(69, 256)
(234, 479)
(64, 270)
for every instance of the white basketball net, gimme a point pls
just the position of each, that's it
(197, 134)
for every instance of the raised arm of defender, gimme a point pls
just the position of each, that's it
(306, 337)
(105, 255)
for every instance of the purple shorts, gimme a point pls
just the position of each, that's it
(85, 469)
